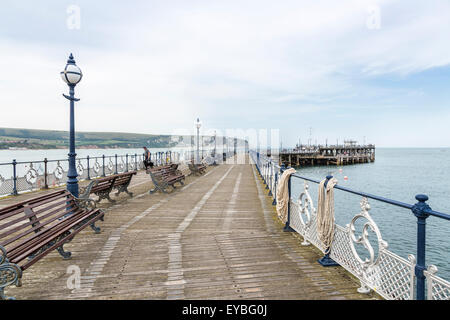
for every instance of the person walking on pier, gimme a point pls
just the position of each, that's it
(147, 162)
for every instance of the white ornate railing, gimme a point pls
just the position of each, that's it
(380, 270)
(438, 288)
(34, 175)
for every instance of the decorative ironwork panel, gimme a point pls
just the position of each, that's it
(390, 275)
(121, 165)
(438, 288)
(308, 232)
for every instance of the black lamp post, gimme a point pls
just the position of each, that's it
(72, 75)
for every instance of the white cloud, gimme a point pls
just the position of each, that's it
(219, 59)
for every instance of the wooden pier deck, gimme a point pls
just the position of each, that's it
(217, 237)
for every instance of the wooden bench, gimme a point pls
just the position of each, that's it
(197, 169)
(31, 229)
(102, 187)
(164, 176)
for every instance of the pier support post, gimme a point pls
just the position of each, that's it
(88, 173)
(419, 211)
(103, 163)
(266, 176)
(274, 202)
(45, 173)
(14, 163)
(271, 179)
(326, 260)
(287, 226)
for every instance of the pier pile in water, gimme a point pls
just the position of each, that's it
(326, 155)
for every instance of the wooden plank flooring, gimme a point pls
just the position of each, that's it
(217, 237)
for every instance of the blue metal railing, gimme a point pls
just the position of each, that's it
(104, 164)
(19, 169)
(270, 172)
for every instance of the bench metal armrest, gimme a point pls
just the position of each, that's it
(85, 203)
(10, 273)
(85, 191)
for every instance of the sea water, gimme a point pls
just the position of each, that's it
(399, 174)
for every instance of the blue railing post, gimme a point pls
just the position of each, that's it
(258, 163)
(45, 173)
(326, 260)
(103, 174)
(14, 163)
(266, 171)
(126, 162)
(274, 203)
(271, 180)
(88, 173)
(115, 172)
(135, 161)
(419, 211)
(287, 226)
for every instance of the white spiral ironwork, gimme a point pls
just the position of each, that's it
(80, 168)
(59, 171)
(132, 164)
(96, 167)
(307, 209)
(121, 165)
(31, 175)
(110, 165)
(364, 238)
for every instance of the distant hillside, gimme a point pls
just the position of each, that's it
(48, 139)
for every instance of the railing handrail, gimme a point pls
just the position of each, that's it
(367, 195)
(97, 157)
(418, 274)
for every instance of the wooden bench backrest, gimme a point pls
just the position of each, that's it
(196, 167)
(162, 173)
(123, 178)
(103, 184)
(25, 222)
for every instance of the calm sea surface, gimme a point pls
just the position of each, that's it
(397, 174)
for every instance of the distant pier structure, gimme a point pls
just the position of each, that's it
(308, 155)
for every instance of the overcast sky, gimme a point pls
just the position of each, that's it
(373, 70)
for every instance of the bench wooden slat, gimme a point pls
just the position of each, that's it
(103, 186)
(30, 229)
(164, 176)
(38, 215)
(11, 210)
(58, 244)
(36, 237)
(47, 237)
